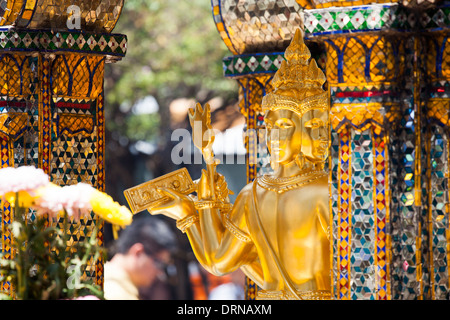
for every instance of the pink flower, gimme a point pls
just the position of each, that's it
(75, 199)
(21, 181)
(49, 200)
(26, 178)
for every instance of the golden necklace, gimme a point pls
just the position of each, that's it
(281, 185)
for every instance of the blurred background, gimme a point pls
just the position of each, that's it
(174, 60)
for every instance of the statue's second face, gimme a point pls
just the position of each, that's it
(315, 135)
(287, 135)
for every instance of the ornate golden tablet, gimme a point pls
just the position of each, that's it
(145, 196)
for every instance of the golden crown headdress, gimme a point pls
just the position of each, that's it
(298, 82)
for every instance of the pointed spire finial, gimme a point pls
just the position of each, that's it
(298, 82)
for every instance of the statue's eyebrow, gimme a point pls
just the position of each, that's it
(284, 119)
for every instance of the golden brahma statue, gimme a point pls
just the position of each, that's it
(277, 231)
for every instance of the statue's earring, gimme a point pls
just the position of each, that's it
(273, 164)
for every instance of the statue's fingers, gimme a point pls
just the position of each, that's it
(198, 107)
(219, 177)
(225, 190)
(168, 192)
(162, 210)
(196, 182)
(207, 109)
(221, 185)
(191, 113)
(162, 207)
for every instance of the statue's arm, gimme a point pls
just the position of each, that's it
(323, 215)
(220, 242)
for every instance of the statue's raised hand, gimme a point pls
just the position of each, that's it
(221, 191)
(202, 133)
(178, 207)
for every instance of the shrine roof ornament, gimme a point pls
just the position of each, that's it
(99, 16)
(52, 26)
(114, 46)
(298, 83)
(249, 27)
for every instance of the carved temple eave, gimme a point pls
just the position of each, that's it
(113, 46)
(97, 16)
(383, 18)
(364, 116)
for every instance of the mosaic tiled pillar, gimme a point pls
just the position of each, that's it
(376, 79)
(362, 72)
(407, 264)
(6, 211)
(393, 76)
(435, 171)
(387, 71)
(52, 98)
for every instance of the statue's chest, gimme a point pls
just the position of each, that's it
(283, 212)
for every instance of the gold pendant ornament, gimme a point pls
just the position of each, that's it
(276, 232)
(281, 185)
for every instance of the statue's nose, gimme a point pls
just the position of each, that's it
(323, 133)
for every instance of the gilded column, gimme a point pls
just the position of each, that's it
(387, 75)
(52, 59)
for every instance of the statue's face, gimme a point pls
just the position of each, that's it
(315, 135)
(283, 135)
(287, 135)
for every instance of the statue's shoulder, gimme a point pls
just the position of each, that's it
(248, 187)
(320, 186)
(246, 191)
(244, 197)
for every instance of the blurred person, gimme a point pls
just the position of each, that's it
(141, 254)
(233, 290)
(158, 290)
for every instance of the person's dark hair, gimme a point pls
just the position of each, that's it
(152, 232)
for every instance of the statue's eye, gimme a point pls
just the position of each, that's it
(283, 124)
(314, 124)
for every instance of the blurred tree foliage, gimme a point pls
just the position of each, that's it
(174, 51)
